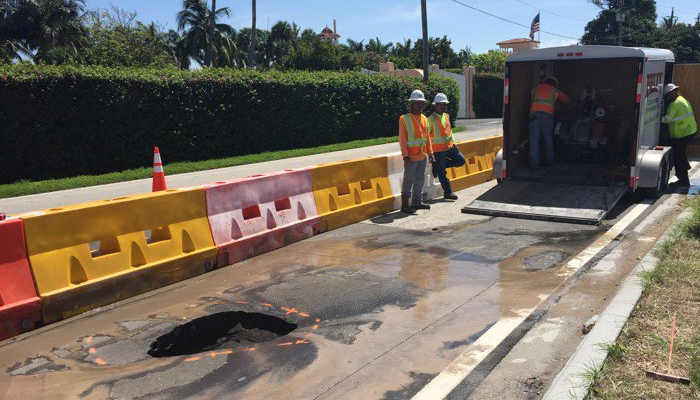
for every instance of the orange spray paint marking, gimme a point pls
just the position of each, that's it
(303, 314)
(219, 353)
(285, 344)
(289, 310)
(192, 359)
(250, 349)
(100, 361)
(92, 350)
(240, 302)
(309, 334)
(302, 341)
(314, 327)
(317, 320)
(265, 304)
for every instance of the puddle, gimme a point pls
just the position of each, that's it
(222, 330)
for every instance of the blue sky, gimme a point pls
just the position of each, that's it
(395, 20)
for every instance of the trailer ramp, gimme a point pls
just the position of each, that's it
(582, 204)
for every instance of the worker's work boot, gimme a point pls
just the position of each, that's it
(405, 208)
(420, 206)
(450, 196)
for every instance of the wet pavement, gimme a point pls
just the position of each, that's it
(373, 310)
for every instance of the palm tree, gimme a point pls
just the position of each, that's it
(283, 36)
(208, 42)
(376, 46)
(354, 46)
(45, 25)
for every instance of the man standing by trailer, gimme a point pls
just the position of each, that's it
(447, 155)
(416, 150)
(541, 126)
(682, 127)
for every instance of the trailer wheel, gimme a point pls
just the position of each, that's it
(661, 183)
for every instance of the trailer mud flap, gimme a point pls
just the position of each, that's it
(546, 201)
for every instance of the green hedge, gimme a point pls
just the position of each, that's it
(66, 121)
(488, 95)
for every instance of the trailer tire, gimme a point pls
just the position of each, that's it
(661, 183)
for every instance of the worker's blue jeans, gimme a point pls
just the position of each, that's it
(541, 127)
(447, 159)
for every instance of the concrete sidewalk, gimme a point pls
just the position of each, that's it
(478, 129)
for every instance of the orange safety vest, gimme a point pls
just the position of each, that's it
(416, 135)
(444, 140)
(543, 99)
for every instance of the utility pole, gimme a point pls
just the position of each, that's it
(253, 42)
(671, 18)
(620, 17)
(209, 53)
(697, 21)
(424, 13)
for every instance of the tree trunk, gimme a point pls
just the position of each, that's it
(209, 51)
(424, 13)
(253, 42)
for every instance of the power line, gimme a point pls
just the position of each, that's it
(508, 20)
(550, 12)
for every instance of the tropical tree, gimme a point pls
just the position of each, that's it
(355, 46)
(376, 46)
(639, 25)
(46, 25)
(210, 43)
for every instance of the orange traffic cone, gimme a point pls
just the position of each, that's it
(158, 175)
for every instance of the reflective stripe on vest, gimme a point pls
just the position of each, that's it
(543, 99)
(416, 144)
(444, 140)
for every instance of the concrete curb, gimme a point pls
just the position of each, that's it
(570, 382)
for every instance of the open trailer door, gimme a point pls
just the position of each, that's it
(582, 204)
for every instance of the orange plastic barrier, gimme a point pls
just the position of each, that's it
(20, 307)
(256, 214)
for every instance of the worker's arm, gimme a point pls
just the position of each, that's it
(403, 138)
(429, 149)
(671, 113)
(561, 96)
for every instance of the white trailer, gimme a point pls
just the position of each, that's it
(606, 139)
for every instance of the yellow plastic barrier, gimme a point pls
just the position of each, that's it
(89, 255)
(351, 191)
(480, 154)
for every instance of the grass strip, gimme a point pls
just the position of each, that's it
(23, 188)
(672, 287)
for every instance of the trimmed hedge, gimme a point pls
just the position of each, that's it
(59, 121)
(488, 95)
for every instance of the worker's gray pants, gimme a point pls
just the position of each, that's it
(541, 128)
(413, 179)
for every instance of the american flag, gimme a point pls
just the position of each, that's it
(535, 27)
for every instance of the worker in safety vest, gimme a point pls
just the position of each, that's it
(541, 126)
(682, 127)
(416, 150)
(447, 155)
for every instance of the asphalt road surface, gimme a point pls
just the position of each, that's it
(441, 304)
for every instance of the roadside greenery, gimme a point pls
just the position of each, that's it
(670, 289)
(74, 120)
(25, 187)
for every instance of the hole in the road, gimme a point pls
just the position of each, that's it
(227, 330)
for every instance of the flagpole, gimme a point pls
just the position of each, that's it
(538, 31)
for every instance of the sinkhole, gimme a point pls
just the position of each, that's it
(227, 330)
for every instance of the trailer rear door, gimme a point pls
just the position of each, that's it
(583, 204)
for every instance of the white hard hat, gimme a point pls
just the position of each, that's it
(440, 98)
(553, 79)
(417, 95)
(670, 87)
